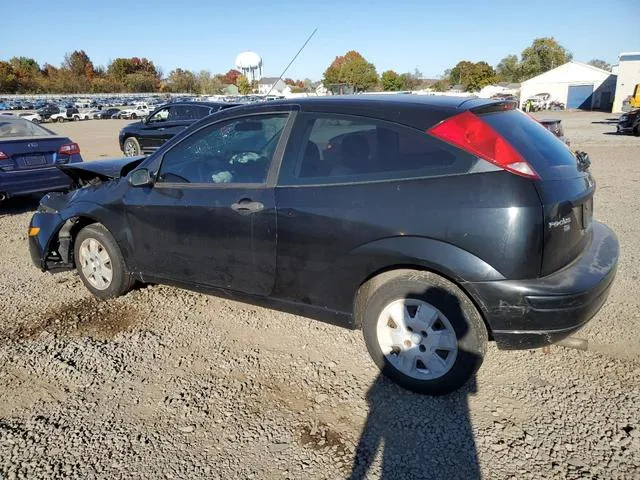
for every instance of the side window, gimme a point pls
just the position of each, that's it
(232, 151)
(159, 116)
(338, 149)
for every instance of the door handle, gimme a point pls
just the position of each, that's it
(247, 206)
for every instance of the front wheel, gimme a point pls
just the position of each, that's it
(133, 116)
(60, 120)
(131, 147)
(100, 264)
(421, 330)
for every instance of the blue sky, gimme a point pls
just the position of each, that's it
(430, 35)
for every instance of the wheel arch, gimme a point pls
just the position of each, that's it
(426, 255)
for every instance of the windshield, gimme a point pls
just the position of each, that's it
(17, 127)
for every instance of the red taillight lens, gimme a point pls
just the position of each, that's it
(468, 132)
(69, 149)
(3, 156)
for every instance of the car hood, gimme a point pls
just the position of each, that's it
(107, 169)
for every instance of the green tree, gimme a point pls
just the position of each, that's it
(243, 84)
(391, 81)
(543, 55)
(596, 62)
(509, 69)
(412, 80)
(472, 76)
(209, 84)
(182, 81)
(141, 82)
(353, 70)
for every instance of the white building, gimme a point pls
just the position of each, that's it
(274, 85)
(628, 77)
(575, 84)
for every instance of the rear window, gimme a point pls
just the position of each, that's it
(20, 128)
(548, 155)
(334, 148)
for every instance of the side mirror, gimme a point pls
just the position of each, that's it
(140, 178)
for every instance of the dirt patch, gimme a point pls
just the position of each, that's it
(88, 317)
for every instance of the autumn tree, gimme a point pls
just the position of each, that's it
(391, 81)
(412, 80)
(243, 84)
(231, 77)
(8, 79)
(543, 55)
(596, 62)
(353, 70)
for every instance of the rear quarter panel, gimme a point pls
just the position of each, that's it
(331, 238)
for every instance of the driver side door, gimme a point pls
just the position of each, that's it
(210, 218)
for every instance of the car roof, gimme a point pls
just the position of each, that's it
(203, 104)
(417, 111)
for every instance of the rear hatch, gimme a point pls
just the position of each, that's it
(31, 153)
(565, 187)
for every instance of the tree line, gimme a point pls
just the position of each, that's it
(78, 74)
(354, 71)
(347, 73)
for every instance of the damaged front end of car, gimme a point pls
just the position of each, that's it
(61, 215)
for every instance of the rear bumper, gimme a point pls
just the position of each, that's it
(533, 313)
(40, 180)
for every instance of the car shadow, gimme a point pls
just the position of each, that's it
(420, 436)
(19, 205)
(612, 133)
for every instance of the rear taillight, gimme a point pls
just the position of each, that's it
(4, 156)
(468, 132)
(69, 149)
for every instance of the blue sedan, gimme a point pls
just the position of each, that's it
(29, 156)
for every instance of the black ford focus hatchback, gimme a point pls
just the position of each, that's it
(432, 223)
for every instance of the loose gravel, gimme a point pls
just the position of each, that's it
(166, 383)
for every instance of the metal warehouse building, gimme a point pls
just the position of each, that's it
(575, 84)
(628, 77)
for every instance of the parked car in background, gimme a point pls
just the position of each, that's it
(29, 155)
(139, 111)
(85, 115)
(32, 117)
(150, 134)
(555, 127)
(48, 110)
(106, 113)
(432, 223)
(629, 122)
(68, 114)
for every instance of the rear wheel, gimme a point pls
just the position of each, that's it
(421, 330)
(100, 264)
(60, 120)
(636, 130)
(131, 147)
(133, 116)
(36, 121)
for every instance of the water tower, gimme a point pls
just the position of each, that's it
(250, 64)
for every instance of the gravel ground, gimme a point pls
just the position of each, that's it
(165, 383)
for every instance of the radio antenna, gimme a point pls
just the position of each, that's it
(292, 60)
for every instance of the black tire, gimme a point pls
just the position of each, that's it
(133, 116)
(636, 130)
(451, 301)
(60, 120)
(36, 121)
(121, 281)
(131, 147)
